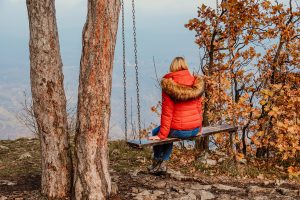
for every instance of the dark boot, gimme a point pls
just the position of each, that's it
(160, 168)
(154, 165)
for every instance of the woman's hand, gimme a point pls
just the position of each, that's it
(154, 138)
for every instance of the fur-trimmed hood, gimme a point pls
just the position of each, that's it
(179, 92)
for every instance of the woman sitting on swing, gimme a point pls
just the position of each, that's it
(181, 115)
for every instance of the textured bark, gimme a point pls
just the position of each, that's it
(49, 101)
(92, 179)
(202, 144)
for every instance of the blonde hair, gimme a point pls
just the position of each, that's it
(178, 64)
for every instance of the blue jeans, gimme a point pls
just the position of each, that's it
(163, 152)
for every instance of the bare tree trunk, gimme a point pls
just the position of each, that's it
(49, 101)
(92, 179)
(203, 143)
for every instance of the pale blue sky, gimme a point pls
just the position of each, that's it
(161, 33)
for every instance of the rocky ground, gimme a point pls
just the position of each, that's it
(20, 177)
(177, 186)
(140, 185)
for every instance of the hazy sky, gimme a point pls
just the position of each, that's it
(160, 32)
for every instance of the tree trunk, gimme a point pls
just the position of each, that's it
(49, 101)
(202, 144)
(92, 179)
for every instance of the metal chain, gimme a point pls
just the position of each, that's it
(219, 76)
(124, 69)
(136, 70)
(231, 68)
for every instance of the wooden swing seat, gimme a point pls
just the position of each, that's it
(206, 131)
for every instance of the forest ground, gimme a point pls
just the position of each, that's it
(192, 175)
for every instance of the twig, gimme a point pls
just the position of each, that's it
(156, 76)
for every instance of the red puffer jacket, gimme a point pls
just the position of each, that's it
(181, 102)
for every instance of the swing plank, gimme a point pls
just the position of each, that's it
(207, 131)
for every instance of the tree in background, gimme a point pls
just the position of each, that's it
(49, 101)
(251, 53)
(278, 122)
(224, 35)
(92, 179)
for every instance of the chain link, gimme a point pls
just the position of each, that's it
(231, 67)
(219, 76)
(136, 69)
(124, 70)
